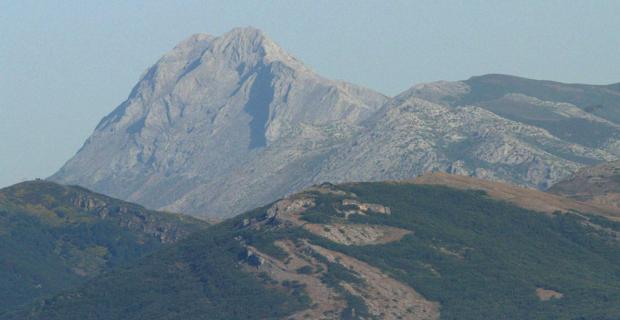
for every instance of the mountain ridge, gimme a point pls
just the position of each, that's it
(223, 124)
(388, 250)
(54, 238)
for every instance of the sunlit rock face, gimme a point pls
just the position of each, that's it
(210, 109)
(224, 124)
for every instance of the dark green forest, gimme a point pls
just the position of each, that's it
(477, 257)
(48, 244)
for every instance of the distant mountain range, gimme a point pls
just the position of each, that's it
(437, 247)
(221, 125)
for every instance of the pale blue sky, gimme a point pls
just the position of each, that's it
(65, 64)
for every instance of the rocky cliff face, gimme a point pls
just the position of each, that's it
(412, 136)
(223, 124)
(583, 114)
(202, 112)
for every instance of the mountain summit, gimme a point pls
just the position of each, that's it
(223, 124)
(202, 111)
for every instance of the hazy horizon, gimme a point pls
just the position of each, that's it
(65, 66)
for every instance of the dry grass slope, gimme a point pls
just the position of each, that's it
(522, 197)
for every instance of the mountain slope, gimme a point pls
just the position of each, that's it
(53, 238)
(584, 114)
(205, 109)
(525, 198)
(224, 124)
(384, 250)
(410, 136)
(598, 185)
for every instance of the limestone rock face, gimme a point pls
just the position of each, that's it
(410, 136)
(202, 112)
(224, 124)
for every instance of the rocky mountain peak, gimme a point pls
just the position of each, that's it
(222, 124)
(204, 110)
(243, 48)
(247, 39)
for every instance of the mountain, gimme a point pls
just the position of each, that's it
(54, 238)
(210, 108)
(583, 114)
(598, 185)
(430, 248)
(417, 131)
(221, 125)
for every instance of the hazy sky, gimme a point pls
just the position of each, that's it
(66, 64)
